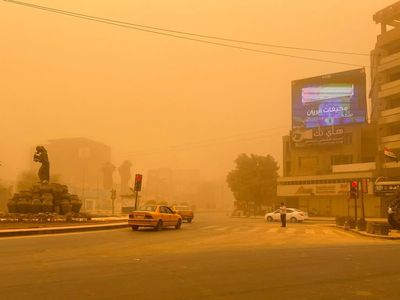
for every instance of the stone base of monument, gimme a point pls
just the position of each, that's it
(47, 198)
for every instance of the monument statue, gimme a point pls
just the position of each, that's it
(108, 170)
(42, 157)
(125, 174)
(45, 199)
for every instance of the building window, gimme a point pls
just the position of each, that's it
(341, 159)
(347, 139)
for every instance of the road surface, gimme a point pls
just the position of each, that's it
(215, 257)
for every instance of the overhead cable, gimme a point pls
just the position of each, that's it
(191, 33)
(125, 25)
(211, 142)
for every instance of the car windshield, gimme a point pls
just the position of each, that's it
(148, 208)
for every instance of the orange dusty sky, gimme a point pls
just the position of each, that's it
(161, 101)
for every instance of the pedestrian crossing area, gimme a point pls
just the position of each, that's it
(299, 230)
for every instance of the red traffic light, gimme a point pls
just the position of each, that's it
(138, 182)
(354, 184)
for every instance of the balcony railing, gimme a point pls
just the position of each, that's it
(389, 62)
(389, 89)
(390, 116)
(390, 138)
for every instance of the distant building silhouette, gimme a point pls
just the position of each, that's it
(125, 175)
(79, 161)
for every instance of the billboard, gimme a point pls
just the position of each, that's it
(320, 136)
(330, 100)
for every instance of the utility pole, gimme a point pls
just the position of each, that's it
(113, 197)
(138, 187)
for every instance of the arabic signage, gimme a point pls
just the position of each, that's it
(384, 189)
(317, 136)
(331, 189)
(330, 100)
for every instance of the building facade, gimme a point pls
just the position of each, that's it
(79, 162)
(317, 178)
(385, 89)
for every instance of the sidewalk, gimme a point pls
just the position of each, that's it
(393, 234)
(315, 219)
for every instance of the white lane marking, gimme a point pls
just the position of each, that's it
(310, 231)
(328, 232)
(255, 229)
(221, 228)
(347, 234)
(209, 227)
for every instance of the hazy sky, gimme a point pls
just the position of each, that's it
(144, 94)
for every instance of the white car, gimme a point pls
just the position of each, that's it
(292, 214)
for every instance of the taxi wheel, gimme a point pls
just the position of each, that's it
(189, 220)
(293, 220)
(269, 219)
(178, 224)
(135, 228)
(159, 226)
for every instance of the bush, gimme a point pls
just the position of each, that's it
(340, 221)
(361, 224)
(351, 222)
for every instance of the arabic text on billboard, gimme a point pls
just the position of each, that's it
(329, 100)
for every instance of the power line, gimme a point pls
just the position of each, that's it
(95, 19)
(191, 33)
(211, 142)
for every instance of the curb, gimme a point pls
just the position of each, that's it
(57, 230)
(377, 236)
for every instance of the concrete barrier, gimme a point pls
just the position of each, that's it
(63, 229)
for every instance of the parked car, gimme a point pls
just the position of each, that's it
(185, 212)
(292, 215)
(156, 216)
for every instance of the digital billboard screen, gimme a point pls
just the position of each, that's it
(329, 100)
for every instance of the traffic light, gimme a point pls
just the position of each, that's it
(354, 189)
(138, 182)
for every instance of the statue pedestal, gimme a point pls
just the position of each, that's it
(45, 198)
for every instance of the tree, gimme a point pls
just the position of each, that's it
(253, 181)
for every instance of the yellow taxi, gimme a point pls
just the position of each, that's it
(156, 216)
(185, 212)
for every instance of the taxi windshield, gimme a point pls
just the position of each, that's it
(148, 208)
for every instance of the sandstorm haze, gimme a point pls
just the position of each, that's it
(160, 101)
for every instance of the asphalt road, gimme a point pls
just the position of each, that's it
(215, 257)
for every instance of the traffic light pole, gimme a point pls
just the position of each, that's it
(136, 199)
(362, 205)
(138, 187)
(113, 196)
(355, 207)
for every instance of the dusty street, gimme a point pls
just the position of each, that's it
(215, 257)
